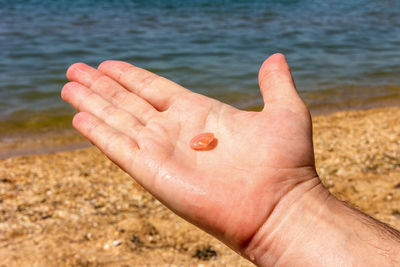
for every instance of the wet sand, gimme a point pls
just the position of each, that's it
(76, 208)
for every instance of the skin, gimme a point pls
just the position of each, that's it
(143, 122)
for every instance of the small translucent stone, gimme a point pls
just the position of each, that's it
(202, 141)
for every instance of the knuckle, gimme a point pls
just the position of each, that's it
(118, 96)
(108, 110)
(89, 96)
(146, 81)
(99, 81)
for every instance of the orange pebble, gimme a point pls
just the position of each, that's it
(203, 141)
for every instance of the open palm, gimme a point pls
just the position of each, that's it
(144, 123)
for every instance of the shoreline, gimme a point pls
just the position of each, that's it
(52, 140)
(22, 143)
(352, 105)
(78, 208)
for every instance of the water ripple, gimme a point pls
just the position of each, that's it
(212, 47)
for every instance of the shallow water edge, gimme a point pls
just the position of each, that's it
(18, 139)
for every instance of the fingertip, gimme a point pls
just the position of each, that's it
(75, 69)
(66, 90)
(105, 64)
(277, 56)
(113, 65)
(71, 90)
(83, 121)
(276, 62)
(77, 119)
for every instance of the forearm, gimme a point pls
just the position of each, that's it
(310, 227)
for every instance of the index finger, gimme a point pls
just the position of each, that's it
(158, 91)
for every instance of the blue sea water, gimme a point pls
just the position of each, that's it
(339, 51)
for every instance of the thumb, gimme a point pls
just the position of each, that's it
(277, 85)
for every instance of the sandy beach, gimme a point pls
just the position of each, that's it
(76, 208)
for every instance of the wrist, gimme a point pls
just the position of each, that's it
(310, 227)
(291, 217)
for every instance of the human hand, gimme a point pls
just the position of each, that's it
(144, 123)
